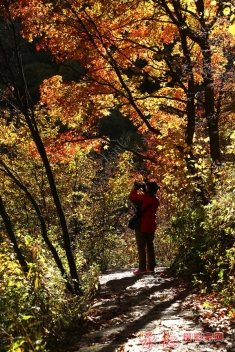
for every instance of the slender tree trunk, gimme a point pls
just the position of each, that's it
(202, 39)
(42, 223)
(190, 109)
(24, 105)
(66, 238)
(7, 223)
(211, 114)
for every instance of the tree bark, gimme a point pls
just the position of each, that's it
(7, 223)
(66, 238)
(21, 101)
(211, 114)
(42, 223)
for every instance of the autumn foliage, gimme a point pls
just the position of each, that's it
(166, 66)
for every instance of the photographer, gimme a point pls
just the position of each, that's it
(146, 224)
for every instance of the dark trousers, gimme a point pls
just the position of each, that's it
(144, 242)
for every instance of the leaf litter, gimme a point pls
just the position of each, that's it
(136, 313)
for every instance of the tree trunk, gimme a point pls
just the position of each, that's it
(43, 225)
(24, 105)
(7, 223)
(66, 238)
(211, 115)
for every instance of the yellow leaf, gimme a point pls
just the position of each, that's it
(36, 283)
(226, 11)
(232, 136)
(232, 27)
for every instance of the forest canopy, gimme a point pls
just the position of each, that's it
(94, 95)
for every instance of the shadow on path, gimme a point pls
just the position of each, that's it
(128, 305)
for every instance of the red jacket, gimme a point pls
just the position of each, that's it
(141, 201)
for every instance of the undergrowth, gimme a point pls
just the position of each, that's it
(205, 236)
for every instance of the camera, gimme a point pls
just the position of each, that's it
(140, 185)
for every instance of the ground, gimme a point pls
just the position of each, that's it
(158, 312)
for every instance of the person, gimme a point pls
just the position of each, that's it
(146, 224)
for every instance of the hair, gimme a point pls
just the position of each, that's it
(152, 186)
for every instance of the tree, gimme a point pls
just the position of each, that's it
(156, 61)
(17, 108)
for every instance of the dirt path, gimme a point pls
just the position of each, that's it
(153, 313)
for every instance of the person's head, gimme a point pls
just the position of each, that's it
(152, 187)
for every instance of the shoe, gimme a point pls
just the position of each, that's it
(148, 271)
(139, 272)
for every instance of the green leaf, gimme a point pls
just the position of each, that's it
(27, 317)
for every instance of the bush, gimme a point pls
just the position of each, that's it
(205, 237)
(37, 313)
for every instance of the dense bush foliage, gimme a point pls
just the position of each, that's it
(205, 237)
(37, 313)
(94, 95)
